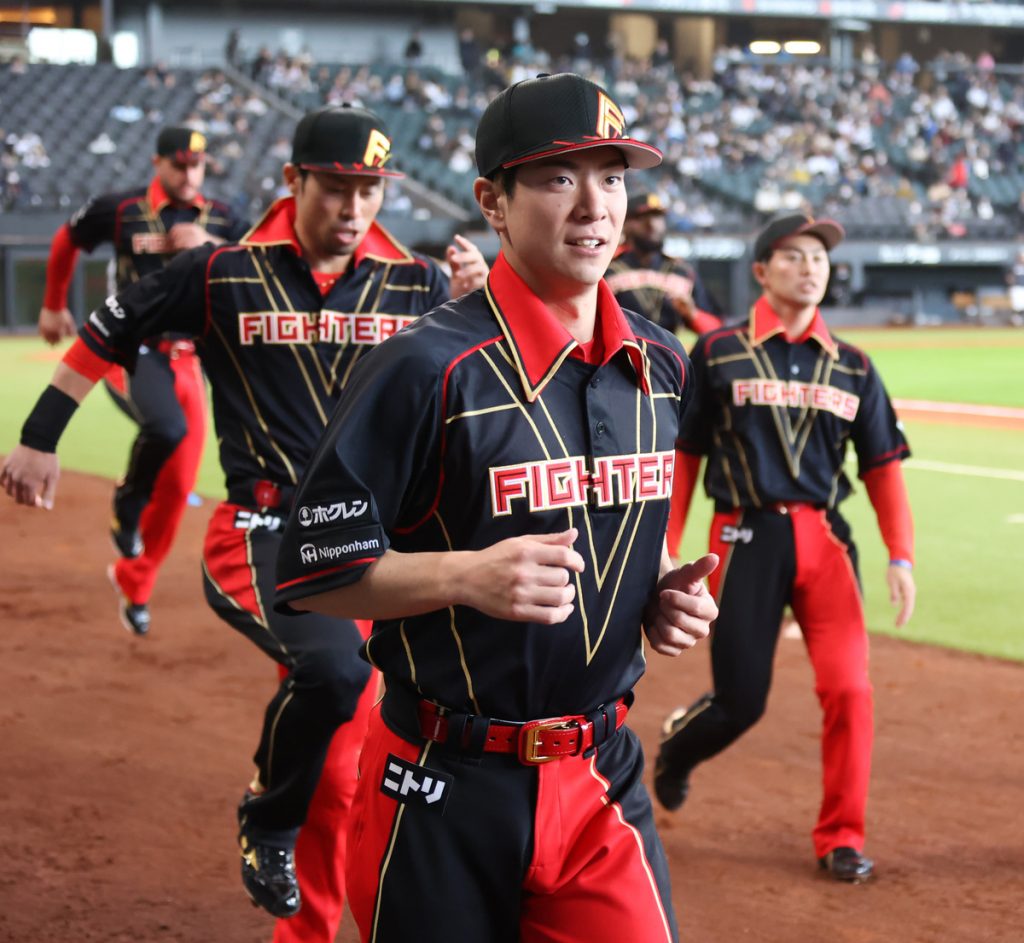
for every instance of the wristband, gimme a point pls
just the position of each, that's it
(48, 419)
(906, 564)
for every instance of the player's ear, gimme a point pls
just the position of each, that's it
(758, 268)
(491, 199)
(292, 178)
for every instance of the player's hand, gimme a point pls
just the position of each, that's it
(524, 579)
(469, 268)
(30, 477)
(55, 325)
(681, 609)
(902, 592)
(685, 308)
(183, 236)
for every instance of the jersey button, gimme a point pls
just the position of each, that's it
(794, 369)
(600, 428)
(594, 383)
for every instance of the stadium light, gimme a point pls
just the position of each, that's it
(802, 47)
(765, 47)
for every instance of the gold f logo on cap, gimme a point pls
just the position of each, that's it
(610, 122)
(378, 150)
(197, 142)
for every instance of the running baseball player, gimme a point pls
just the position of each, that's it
(280, 320)
(511, 549)
(165, 396)
(777, 402)
(666, 290)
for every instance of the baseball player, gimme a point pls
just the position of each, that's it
(643, 278)
(280, 320)
(165, 395)
(777, 401)
(510, 549)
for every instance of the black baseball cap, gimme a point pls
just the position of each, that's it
(343, 140)
(553, 114)
(184, 145)
(643, 204)
(796, 224)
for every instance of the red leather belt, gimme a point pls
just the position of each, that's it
(534, 742)
(176, 349)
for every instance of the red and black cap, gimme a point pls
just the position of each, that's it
(180, 144)
(553, 114)
(644, 204)
(343, 140)
(796, 224)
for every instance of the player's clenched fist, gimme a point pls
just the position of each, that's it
(525, 579)
(681, 609)
(30, 477)
(56, 324)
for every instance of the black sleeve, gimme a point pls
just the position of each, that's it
(375, 467)
(173, 299)
(440, 285)
(695, 418)
(876, 433)
(95, 221)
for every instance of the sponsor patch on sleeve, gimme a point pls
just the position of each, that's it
(337, 547)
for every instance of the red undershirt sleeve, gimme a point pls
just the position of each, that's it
(888, 494)
(59, 268)
(684, 478)
(82, 360)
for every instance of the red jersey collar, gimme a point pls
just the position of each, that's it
(277, 228)
(157, 198)
(765, 323)
(539, 343)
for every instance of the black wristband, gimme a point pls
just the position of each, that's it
(48, 419)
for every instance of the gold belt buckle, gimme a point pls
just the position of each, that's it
(529, 739)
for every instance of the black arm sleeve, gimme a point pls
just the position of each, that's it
(377, 466)
(695, 415)
(173, 299)
(877, 434)
(95, 221)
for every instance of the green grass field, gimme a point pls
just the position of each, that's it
(966, 483)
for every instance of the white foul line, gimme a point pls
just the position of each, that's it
(959, 409)
(976, 471)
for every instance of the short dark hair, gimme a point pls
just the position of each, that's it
(506, 177)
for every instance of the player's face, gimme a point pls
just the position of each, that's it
(334, 211)
(647, 231)
(561, 226)
(796, 274)
(181, 182)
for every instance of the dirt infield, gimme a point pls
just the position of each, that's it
(123, 759)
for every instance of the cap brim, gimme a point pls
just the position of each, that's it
(353, 170)
(190, 158)
(639, 156)
(827, 230)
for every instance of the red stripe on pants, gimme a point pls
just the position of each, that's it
(162, 516)
(226, 555)
(827, 603)
(589, 878)
(320, 850)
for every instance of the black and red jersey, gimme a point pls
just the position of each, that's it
(276, 351)
(137, 221)
(774, 416)
(477, 424)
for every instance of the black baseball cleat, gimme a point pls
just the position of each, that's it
(672, 784)
(268, 873)
(127, 542)
(847, 864)
(671, 791)
(134, 615)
